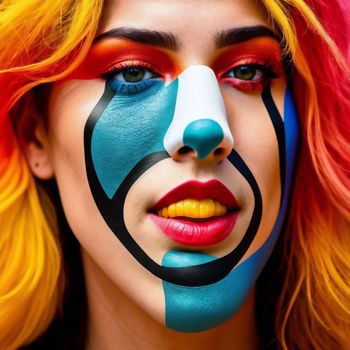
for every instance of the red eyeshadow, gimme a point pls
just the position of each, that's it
(105, 54)
(260, 49)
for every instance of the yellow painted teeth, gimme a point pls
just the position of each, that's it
(193, 208)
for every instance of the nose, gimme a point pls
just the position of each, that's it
(203, 136)
(199, 127)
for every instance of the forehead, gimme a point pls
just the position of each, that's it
(190, 20)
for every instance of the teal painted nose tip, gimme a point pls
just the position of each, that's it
(203, 136)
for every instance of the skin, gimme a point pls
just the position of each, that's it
(125, 301)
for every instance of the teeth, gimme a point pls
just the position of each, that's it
(193, 208)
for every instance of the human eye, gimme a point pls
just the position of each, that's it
(246, 73)
(131, 77)
(249, 76)
(134, 75)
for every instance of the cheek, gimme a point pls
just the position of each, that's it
(255, 139)
(256, 142)
(276, 183)
(70, 105)
(131, 127)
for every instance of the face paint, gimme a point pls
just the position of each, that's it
(201, 308)
(114, 161)
(132, 128)
(199, 114)
(104, 56)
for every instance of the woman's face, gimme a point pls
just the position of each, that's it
(173, 147)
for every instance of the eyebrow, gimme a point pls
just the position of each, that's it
(143, 36)
(241, 34)
(169, 41)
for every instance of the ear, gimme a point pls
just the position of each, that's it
(37, 153)
(29, 121)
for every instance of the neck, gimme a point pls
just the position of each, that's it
(115, 322)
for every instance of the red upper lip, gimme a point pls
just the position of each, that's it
(213, 189)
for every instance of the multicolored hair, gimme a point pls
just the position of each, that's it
(313, 311)
(43, 41)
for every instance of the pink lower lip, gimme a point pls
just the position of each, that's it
(190, 233)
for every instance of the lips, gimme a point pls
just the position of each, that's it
(196, 213)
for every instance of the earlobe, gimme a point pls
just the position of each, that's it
(37, 154)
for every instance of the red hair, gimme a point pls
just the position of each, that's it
(314, 309)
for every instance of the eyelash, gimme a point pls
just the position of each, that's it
(268, 72)
(119, 67)
(130, 87)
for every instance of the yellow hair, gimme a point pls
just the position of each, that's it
(40, 41)
(30, 261)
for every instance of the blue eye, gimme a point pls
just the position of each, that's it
(131, 80)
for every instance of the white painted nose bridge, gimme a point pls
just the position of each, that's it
(199, 107)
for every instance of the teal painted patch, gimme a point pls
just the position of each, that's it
(194, 309)
(203, 135)
(132, 126)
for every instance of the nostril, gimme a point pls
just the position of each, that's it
(203, 136)
(184, 150)
(218, 151)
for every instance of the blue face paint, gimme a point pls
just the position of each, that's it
(195, 309)
(203, 135)
(132, 125)
(191, 309)
(127, 118)
(132, 128)
(200, 120)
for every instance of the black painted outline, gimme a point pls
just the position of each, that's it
(278, 125)
(112, 209)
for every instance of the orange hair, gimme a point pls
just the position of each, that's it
(40, 41)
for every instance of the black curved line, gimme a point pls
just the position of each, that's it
(278, 125)
(97, 191)
(112, 209)
(196, 275)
